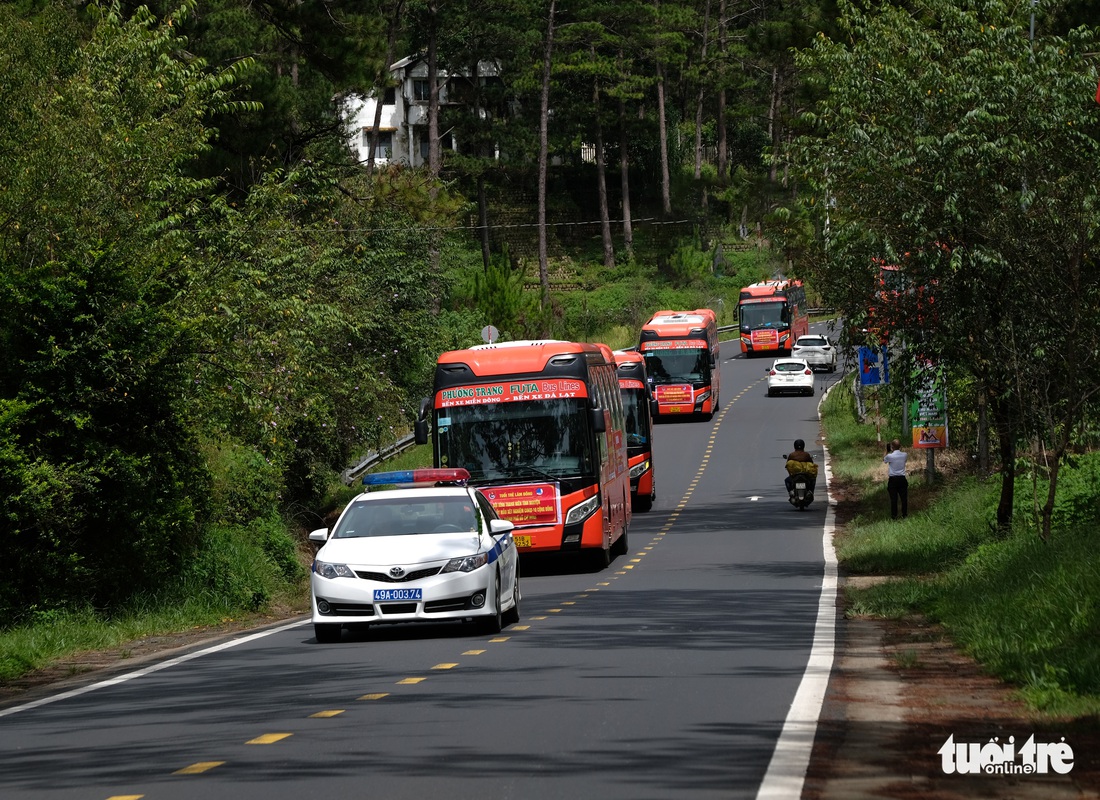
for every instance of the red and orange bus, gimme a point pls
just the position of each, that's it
(772, 315)
(681, 359)
(540, 427)
(639, 408)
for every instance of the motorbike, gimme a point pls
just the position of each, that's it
(800, 494)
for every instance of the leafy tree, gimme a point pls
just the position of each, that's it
(93, 361)
(948, 144)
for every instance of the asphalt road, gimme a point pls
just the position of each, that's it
(669, 674)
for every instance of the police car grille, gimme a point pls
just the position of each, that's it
(408, 576)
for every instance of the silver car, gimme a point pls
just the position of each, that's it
(815, 350)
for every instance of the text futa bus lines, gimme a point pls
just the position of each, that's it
(772, 315)
(681, 359)
(540, 427)
(639, 408)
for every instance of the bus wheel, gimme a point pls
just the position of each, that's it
(620, 546)
(600, 559)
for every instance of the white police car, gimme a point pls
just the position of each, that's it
(420, 554)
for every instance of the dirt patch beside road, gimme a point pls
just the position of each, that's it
(899, 689)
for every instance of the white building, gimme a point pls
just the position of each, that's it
(403, 126)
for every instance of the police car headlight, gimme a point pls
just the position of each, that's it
(639, 469)
(467, 563)
(582, 510)
(326, 570)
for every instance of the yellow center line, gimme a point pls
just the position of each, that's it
(473, 652)
(520, 628)
(269, 738)
(410, 681)
(194, 769)
(375, 696)
(448, 665)
(335, 712)
(499, 639)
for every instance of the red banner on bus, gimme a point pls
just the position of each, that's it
(673, 344)
(526, 504)
(511, 391)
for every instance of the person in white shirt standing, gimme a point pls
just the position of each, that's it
(897, 485)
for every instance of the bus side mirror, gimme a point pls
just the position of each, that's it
(420, 427)
(654, 408)
(599, 424)
(711, 361)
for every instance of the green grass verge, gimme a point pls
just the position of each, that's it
(1028, 611)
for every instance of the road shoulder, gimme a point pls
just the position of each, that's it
(899, 689)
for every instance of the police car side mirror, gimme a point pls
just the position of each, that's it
(319, 535)
(499, 526)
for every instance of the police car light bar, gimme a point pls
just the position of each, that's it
(417, 476)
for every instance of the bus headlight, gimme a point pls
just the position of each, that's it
(582, 510)
(639, 469)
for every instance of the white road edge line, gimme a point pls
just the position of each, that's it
(7, 712)
(786, 773)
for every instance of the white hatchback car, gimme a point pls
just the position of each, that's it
(815, 350)
(790, 375)
(423, 554)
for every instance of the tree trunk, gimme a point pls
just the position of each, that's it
(483, 220)
(662, 127)
(773, 111)
(723, 144)
(435, 157)
(601, 181)
(1006, 439)
(391, 45)
(624, 175)
(544, 148)
(699, 99)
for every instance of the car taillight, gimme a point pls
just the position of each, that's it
(809, 372)
(771, 372)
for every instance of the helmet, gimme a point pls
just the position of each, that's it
(799, 444)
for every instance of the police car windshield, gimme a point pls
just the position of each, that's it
(382, 517)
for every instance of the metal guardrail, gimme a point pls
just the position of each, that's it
(352, 474)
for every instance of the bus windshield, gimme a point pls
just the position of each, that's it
(764, 315)
(689, 365)
(635, 402)
(536, 439)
